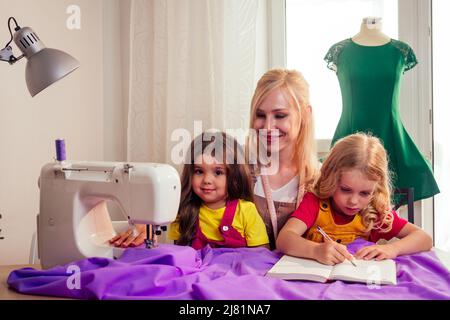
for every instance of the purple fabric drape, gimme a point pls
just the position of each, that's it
(177, 272)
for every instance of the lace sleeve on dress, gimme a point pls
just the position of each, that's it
(409, 56)
(333, 53)
(410, 60)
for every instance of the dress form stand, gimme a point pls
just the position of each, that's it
(370, 33)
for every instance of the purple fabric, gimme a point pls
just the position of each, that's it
(177, 272)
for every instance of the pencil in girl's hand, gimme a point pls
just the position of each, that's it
(323, 233)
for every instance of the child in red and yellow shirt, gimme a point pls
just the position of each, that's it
(351, 200)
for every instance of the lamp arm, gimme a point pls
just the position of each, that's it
(7, 55)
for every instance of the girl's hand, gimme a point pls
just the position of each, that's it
(379, 252)
(331, 253)
(128, 239)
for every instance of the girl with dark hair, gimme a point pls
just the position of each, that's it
(216, 205)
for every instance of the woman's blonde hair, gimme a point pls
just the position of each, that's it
(365, 153)
(296, 90)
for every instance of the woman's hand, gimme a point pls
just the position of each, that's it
(379, 252)
(130, 238)
(331, 253)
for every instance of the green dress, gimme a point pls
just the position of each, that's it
(369, 78)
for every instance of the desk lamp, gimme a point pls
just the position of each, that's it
(44, 66)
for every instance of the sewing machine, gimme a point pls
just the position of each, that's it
(73, 222)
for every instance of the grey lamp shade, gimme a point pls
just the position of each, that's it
(46, 67)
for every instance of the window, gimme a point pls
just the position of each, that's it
(441, 96)
(312, 27)
(301, 33)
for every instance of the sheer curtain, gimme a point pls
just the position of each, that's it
(188, 61)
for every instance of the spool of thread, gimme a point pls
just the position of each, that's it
(60, 149)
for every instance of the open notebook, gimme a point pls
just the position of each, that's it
(370, 272)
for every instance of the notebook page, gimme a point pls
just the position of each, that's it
(370, 272)
(292, 268)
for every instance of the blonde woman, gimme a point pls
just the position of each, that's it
(281, 117)
(351, 200)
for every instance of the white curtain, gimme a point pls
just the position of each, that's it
(190, 60)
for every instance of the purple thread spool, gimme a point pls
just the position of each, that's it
(60, 149)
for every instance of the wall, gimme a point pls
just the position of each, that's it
(88, 108)
(72, 108)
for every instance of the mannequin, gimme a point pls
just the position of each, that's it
(369, 68)
(370, 33)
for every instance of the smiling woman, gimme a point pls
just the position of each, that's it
(282, 115)
(279, 120)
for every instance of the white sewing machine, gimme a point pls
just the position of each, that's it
(73, 222)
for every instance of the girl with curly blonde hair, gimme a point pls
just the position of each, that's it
(351, 199)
